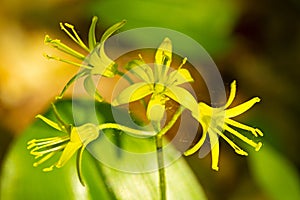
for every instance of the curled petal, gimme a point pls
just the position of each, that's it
(92, 37)
(232, 112)
(231, 94)
(199, 144)
(133, 92)
(49, 122)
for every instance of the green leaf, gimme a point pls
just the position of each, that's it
(275, 174)
(20, 180)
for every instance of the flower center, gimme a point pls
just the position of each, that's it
(159, 88)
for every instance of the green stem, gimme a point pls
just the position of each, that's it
(159, 151)
(161, 168)
(125, 129)
(171, 122)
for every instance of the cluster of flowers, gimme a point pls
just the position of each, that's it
(159, 82)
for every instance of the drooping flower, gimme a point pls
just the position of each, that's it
(95, 63)
(161, 83)
(72, 140)
(216, 120)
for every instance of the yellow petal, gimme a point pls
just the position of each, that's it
(140, 69)
(49, 122)
(198, 144)
(232, 112)
(180, 76)
(133, 92)
(214, 145)
(163, 58)
(68, 152)
(231, 94)
(183, 97)
(102, 64)
(156, 108)
(92, 36)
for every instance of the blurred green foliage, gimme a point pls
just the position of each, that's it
(275, 174)
(208, 22)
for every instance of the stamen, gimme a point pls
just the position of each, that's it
(39, 153)
(183, 62)
(67, 61)
(48, 169)
(76, 39)
(64, 48)
(242, 137)
(54, 142)
(254, 131)
(43, 159)
(236, 148)
(258, 146)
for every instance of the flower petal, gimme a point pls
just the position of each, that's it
(231, 94)
(214, 145)
(132, 93)
(92, 37)
(180, 76)
(199, 144)
(140, 69)
(163, 58)
(103, 65)
(72, 146)
(68, 152)
(156, 108)
(111, 30)
(78, 165)
(232, 112)
(74, 78)
(49, 122)
(182, 96)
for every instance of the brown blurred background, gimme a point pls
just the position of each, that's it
(255, 42)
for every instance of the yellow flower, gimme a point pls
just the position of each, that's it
(215, 120)
(75, 138)
(160, 83)
(96, 63)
